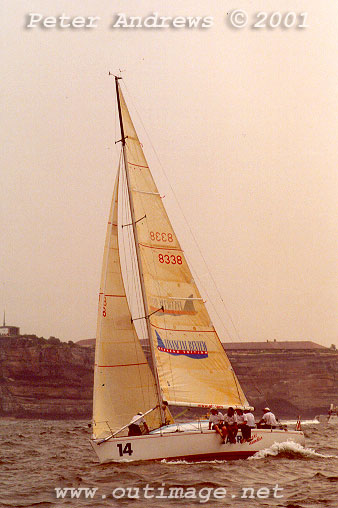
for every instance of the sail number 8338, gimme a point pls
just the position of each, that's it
(161, 237)
(170, 260)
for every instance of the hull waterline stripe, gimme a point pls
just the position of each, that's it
(193, 458)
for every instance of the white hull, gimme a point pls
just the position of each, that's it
(331, 419)
(189, 445)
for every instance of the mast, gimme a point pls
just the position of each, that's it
(137, 250)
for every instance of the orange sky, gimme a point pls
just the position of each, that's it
(244, 122)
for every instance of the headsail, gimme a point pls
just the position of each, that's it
(192, 366)
(123, 381)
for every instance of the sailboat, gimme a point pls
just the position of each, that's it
(331, 417)
(188, 365)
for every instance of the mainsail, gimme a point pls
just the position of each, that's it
(192, 367)
(123, 381)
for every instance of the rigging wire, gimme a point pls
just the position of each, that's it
(194, 271)
(141, 308)
(132, 291)
(191, 232)
(146, 264)
(217, 339)
(195, 274)
(131, 265)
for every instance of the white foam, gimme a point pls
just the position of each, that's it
(273, 451)
(215, 461)
(303, 422)
(288, 447)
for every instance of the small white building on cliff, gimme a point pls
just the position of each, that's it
(8, 331)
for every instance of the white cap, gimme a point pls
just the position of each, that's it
(266, 409)
(140, 413)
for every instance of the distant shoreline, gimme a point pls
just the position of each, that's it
(52, 380)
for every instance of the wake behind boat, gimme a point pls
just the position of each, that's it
(188, 365)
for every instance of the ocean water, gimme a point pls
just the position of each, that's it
(49, 464)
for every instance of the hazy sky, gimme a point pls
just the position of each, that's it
(244, 122)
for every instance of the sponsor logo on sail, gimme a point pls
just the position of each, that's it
(196, 349)
(173, 307)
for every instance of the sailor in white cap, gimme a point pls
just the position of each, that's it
(249, 417)
(249, 424)
(268, 420)
(216, 422)
(135, 425)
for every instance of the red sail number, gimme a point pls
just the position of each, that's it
(170, 260)
(161, 237)
(104, 311)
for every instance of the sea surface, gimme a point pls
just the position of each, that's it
(41, 461)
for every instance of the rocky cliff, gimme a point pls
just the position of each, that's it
(47, 379)
(290, 382)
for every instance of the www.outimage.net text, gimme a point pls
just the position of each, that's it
(202, 495)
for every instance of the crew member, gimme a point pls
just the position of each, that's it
(216, 422)
(243, 425)
(249, 417)
(249, 420)
(268, 420)
(230, 423)
(135, 425)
